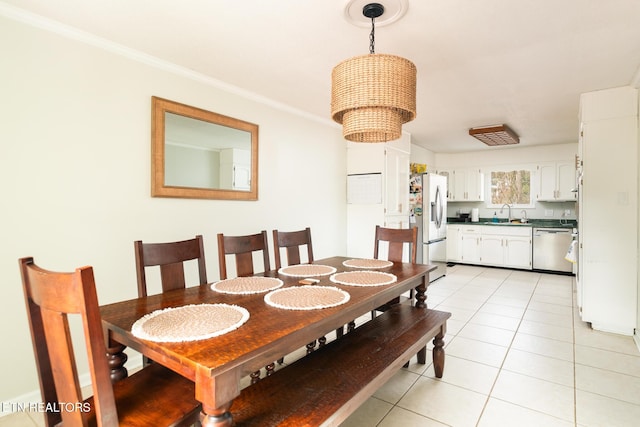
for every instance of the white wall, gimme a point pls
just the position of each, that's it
(75, 172)
(422, 155)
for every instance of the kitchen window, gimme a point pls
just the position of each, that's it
(512, 187)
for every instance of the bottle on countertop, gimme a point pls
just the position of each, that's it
(495, 217)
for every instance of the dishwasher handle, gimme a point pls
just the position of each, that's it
(541, 231)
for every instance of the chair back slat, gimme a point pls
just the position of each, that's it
(292, 241)
(170, 256)
(242, 247)
(172, 276)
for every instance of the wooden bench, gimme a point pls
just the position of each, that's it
(328, 385)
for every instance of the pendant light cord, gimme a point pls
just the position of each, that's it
(372, 36)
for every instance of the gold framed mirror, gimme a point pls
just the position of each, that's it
(199, 154)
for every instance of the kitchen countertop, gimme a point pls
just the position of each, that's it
(546, 223)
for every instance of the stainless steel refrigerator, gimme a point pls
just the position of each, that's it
(434, 227)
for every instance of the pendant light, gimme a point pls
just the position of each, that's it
(373, 95)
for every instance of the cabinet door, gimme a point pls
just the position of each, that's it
(566, 181)
(517, 252)
(475, 186)
(450, 182)
(396, 182)
(459, 188)
(454, 243)
(470, 248)
(241, 177)
(546, 181)
(492, 250)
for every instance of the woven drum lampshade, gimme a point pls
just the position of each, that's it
(372, 96)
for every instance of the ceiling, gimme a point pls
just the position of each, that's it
(523, 63)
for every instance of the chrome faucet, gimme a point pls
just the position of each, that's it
(502, 209)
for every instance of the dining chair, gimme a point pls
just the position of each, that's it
(293, 243)
(396, 239)
(152, 396)
(243, 248)
(170, 257)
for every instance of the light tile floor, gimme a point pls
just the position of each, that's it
(517, 353)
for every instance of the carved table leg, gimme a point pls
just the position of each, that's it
(220, 417)
(421, 293)
(438, 354)
(270, 368)
(117, 358)
(311, 346)
(351, 326)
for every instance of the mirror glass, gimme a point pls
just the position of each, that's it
(201, 154)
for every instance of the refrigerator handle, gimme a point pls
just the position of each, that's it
(436, 208)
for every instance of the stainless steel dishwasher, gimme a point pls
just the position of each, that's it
(550, 246)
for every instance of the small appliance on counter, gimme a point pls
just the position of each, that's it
(475, 215)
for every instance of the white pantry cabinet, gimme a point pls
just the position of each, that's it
(390, 162)
(396, 178)
(556, 182)
(607, 279)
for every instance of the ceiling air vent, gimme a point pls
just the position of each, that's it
(495, 135)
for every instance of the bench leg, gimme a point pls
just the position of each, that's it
(422, 355)
(438, 354)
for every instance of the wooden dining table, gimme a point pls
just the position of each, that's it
(218, 364)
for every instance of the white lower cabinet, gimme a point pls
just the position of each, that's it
(470, 244)
(494, 245)
(506, 246)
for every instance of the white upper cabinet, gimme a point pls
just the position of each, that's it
(464, 185)
(556, 182)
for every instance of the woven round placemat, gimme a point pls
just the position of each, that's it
(190, 322)
(363, 278)
(372, 264)
(247, 285)
(307, 270)
(306, 297)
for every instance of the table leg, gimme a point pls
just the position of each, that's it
(421, 293)
(216, 395)
(220, 417)
(116, 358)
